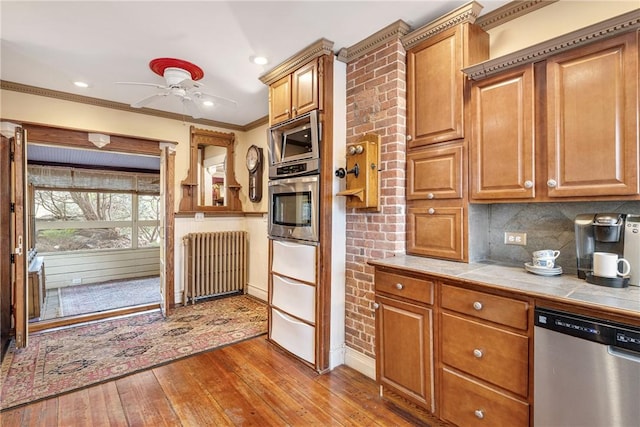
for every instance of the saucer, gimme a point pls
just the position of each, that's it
(542, 271)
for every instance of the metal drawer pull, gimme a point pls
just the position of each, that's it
(478, 353)
(431, 211)
(479, 413)
(528, 184)
(399, 286)
(430, 196)
(376, 306)
(477, 305)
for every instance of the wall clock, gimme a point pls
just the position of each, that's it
(254, 165)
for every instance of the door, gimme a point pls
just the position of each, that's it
(19, 235)
(167, 156)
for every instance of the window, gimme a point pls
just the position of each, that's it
(70, 219)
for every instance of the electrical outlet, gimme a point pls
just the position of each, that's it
(513, 238)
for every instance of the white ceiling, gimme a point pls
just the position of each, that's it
(50, 44)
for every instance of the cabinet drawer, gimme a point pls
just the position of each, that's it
(504, 311)
(404, 286)
(295, 336)
(295, 298)
(435, 173)
(468, 403)
(294, 260)
(492, 354)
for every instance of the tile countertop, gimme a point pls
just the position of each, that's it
(565, 287)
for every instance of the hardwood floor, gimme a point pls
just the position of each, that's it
(251, 383)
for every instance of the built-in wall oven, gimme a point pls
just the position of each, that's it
(294, 208)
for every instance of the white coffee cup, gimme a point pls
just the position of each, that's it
(546, 253)
(605, 264)
(544, 262)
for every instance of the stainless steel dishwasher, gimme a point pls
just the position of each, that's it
(586, 371)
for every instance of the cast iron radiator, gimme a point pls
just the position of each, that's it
(214, 264)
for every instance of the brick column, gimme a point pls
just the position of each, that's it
(376, 103)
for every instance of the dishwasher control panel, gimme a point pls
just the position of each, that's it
(596, 330)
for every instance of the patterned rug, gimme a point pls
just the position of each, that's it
(64, 360)
(107, 296)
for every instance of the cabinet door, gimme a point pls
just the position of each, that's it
(435, 89)
(436, 232)
(435, 173)
(404, 349)
(280, 100)
(305, 89)
(501, 147)
(592, 118)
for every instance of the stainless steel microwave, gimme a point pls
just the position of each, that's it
(294, 146)
(294, 208)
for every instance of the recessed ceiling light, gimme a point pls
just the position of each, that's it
(81, 84)
(260, 60)
(207, 103)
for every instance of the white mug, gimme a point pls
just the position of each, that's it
(546, 253)
(544, 262)
(605, 264)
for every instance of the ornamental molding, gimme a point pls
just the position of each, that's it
(464, 14)
(375, 41)
(629, 21)
(315, 50)
(510, 11)
(66, 96)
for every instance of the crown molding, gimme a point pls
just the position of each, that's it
(315, 50)
(391, 32)
(65, 96)
(617, 25)
(466, 13)
(510, 11)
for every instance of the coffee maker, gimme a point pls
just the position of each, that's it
(608, 232)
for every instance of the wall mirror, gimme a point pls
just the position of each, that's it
(210, 185)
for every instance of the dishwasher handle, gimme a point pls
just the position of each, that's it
(631, 356)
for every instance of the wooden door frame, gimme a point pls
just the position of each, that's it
(77, 138)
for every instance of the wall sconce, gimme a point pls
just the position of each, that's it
(99, 139)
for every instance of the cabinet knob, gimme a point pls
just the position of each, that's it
(399, 286)
(409, 137)
(479, 413)
(552, 183)
(294, 109)
(528, 184)
(477, 305)
(431, 211)
(477, 353)
(376, 306)
(430, 196)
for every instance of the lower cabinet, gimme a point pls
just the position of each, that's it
(404, 337)
(461, 354)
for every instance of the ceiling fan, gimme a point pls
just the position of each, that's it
(181, 79)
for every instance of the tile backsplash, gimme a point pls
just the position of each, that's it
(548, 226)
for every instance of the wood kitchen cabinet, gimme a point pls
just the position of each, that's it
(436, 231)
(565, 128)
(592, 119)
(435, 84)
(501, 148)
(404, 337)
(294, 94)
(435, 172)
(484, 347)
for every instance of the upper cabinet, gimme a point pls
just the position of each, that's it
(565, 128)
(592, 119)
(435, 85)
(294, 94)
(501, 150)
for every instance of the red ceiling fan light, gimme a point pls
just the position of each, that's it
(159, 65)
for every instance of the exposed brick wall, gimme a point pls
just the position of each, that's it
(376, 103)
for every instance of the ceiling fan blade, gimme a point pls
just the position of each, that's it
(142, 84)
(192, 107)
(217, 100)
(149, 99)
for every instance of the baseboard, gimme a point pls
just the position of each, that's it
(257, 292)
(336, 357)
(362, 363)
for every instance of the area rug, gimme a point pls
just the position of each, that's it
(64, 360)
(107, 296)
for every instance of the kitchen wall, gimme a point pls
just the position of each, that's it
(548, 225)
(16, 106)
